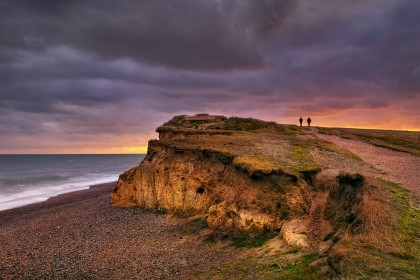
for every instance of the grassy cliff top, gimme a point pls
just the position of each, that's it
(262, 146)
(256, 145)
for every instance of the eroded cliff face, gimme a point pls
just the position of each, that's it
(193, 179)
(240, 174)
(199, 181)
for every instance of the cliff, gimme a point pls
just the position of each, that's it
(241, 174)
(202, 165)
(322, 194)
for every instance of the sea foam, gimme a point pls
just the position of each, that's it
(27, 179)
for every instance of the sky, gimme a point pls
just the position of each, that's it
(98, 76)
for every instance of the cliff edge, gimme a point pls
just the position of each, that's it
(249, 175)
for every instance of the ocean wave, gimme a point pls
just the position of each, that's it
(39, 194)
(32, 180)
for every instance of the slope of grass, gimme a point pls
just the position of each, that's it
(392, 250)
(277, 266)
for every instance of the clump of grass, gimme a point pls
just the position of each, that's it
(386, 243)
(293, 251)
(242, 239)
(300, 158)
(329, 236)
(271, 267)
(255, 163)
(299, 269)
(175, 121)
(199, 223)
(252, 239)
(247, 124)
(291, 130)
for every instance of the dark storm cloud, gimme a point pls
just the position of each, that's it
(101, 66)
(341, 41)
(182, 34)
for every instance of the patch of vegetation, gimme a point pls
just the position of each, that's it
(247, 124)
(300, 269)
(175, 121)
(293, 251)
(390, 252)
(329, 236)
(273, 267)
(403, 141)
(199, 223)
(408, 226)
(300, 157)
(252, 239)
(291, 129)
(241, 239)
(255, 163)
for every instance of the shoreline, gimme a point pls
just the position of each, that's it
(60, 198)
(80, 235)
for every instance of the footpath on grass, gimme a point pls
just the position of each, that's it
(394, 166)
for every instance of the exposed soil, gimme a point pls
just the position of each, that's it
(399, 167)
(318, 226)
(81, 236)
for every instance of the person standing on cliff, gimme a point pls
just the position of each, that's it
(309, 121)
(300, 121)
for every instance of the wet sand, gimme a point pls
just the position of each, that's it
(79, 235)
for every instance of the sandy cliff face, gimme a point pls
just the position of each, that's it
(193, 179)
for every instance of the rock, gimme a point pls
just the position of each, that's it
(323, 247)
(205, 118)
(319, 262)
(324, 270)
(294, 233)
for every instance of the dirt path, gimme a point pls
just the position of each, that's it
(398, 167)
(318, 226)
(315, 226)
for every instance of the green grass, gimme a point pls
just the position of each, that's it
(299, 269)
(399, 259)
(255, 163)
(247, 124)
(408, 229)
(293, 251)
(272, 267)
(302, 161)
(242, 239)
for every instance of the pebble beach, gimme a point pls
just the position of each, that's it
(80, 235)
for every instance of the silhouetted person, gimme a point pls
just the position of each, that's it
(301, 121)
(309, 121)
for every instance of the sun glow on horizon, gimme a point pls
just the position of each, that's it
(135, 149)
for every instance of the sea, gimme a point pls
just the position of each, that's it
(27, 179)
